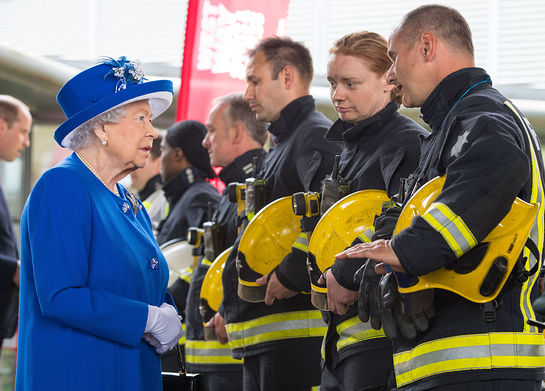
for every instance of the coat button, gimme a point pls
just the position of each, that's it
(154, 264)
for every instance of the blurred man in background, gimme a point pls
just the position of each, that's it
(15, 124)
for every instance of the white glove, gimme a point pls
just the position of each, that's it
(165, 326)
(152, 341)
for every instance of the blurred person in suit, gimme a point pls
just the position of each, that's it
(15, 125)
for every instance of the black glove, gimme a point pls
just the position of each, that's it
(369, 294)
(386, 221)
(407, 314)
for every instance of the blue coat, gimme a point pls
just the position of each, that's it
(89, 269)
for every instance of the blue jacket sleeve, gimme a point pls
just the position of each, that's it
(60, 231)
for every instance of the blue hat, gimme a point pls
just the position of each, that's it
(105, 86)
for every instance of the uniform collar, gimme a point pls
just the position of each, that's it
(242, 167)
(153, 184)
(176, 187)
(446, 94)
(291, 116)
(351, 133)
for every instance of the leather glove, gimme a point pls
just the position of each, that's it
(407, 314)
(369, 294)
(164, 324)
(385, 222)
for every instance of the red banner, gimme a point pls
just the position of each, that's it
(218, 36)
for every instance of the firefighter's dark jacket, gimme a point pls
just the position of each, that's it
(152, 185)
(299, 161)
(226, 212)
(188, 195)
(225, 215)
(489, 158)
(377, 153)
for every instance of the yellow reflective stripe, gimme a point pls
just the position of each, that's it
(301, 242)
(353, 330)
(366, 236)
(181, 341)
(322, 347)
(451, 227)
(248, 283)
(186, 273)
(167, 209)
(205, 261)
(536, 233)
(146, 204)
(470, 352)
(209, 352)
(286, 325)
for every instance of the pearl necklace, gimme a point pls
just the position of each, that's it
(95, 173)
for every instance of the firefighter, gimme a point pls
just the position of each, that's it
(380, 147)
(234, 138)
(280, 343)
(489, 154)
(185, 167)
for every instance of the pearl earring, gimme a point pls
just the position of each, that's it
(104, 143)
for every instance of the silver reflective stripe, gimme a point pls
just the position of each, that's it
(366, 236)
(186, 274)
(353, 330)
(301, 242)
(467, 353)
(451, 227)
(287, 325)
(470, 352)
(207, 352)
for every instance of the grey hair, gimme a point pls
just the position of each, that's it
(238, 110)
(83, 136)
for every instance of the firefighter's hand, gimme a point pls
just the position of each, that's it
(380, 250)
(275, 289)
(17, 275)
(338, 297)
(218, 323)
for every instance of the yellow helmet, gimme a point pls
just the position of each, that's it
(347, 219)
(178, 254)
(265, 242)
(488, 265)
(212, 291)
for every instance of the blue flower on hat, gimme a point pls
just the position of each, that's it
(126, 71)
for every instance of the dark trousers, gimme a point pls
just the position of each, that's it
(493, 385)
(282, 370)
(222, 381)
(361, 372)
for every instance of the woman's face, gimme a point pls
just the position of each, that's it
(356, 92)
(130, 140)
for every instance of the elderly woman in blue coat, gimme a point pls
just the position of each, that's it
(94, 312)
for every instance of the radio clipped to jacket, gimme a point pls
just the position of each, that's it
(256, 193)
